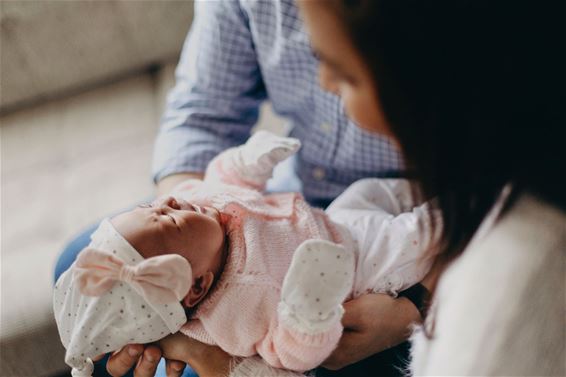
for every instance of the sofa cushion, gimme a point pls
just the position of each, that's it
(52, 47)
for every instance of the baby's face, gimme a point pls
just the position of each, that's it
(173, 226)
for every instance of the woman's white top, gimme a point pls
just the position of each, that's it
(500, 309)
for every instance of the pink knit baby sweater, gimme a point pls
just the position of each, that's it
(240, 314)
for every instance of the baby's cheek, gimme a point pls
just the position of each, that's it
(187, 255)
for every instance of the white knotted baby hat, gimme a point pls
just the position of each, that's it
(111, 296)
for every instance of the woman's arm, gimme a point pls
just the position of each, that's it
(372, 323)
(208, 361)
(178, 349)
(205, 359)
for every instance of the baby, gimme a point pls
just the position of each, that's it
(257, 274)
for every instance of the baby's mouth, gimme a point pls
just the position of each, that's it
(208, 211)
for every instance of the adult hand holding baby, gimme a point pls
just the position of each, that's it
(204, 359)
(372, 323)
(144, 357)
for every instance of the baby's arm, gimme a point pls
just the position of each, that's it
(388, 195)
(308, 324)
(393, 231)
(251, 165)
(289, 348)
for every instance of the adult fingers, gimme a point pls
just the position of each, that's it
(174, 368)
(147, 364)
(120, 362)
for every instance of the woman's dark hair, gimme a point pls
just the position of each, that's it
(474, 92)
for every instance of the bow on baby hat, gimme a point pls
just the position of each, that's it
(161, 279)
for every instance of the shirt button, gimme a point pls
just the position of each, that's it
(326, 128)
(318, 174)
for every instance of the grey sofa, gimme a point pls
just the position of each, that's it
(76, 78)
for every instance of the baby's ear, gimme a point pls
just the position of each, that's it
(199, 289)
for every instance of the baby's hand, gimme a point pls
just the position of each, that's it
(264, 150)
(317, 282)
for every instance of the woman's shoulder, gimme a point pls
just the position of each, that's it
(526, 246)
(529, 235)
(505, 296)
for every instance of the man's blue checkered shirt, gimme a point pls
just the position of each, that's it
(238, 54)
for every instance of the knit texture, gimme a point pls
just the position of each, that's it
(240, 313)
(377, 220)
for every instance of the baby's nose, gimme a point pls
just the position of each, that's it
(168, 202)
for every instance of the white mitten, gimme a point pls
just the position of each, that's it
(319, 279)
(263, 151)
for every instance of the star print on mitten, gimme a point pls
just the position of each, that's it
(319, 279)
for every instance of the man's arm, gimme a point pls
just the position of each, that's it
(167, 184)
(218, 90)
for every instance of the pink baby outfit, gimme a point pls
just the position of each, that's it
(240, 315)
(290, 267)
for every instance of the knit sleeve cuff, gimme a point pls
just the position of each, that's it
(315, 330)
(256, 367)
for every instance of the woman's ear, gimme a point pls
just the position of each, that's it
(200, 288)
